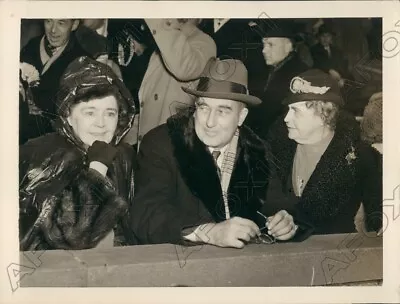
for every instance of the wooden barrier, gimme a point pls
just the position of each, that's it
(353, 259)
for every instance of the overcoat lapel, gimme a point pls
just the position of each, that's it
(196, 166)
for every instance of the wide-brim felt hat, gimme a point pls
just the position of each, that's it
(311, 85)
(224, 79)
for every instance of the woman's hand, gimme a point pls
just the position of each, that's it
(281, 226)
(101, 156)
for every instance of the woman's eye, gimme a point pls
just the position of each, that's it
(111, 114)
(89, 113)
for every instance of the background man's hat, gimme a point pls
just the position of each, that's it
(278, 29)
(314, 85)
(225, 79)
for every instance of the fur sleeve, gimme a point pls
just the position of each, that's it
(85, 213)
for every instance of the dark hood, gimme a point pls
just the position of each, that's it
(85, 75)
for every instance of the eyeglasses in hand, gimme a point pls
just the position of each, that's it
(263, 238)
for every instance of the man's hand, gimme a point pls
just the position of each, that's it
(231, 233)
(281, 226)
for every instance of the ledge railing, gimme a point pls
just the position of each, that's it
(341, 259)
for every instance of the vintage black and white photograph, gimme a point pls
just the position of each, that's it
(201, 152)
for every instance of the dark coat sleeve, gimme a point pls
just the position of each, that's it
(155, 217)
(123, 171)
(277, 200)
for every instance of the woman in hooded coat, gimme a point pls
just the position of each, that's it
(75, 184)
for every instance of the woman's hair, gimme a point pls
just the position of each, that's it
(102, 91)
(328, 111)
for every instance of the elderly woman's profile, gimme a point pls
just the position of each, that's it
(76, 183)
(321, 173)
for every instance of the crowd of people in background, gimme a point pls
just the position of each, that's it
(146, 131)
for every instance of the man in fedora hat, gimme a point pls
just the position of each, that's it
(283, 64)
(202, 176)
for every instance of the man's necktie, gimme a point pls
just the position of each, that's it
(215, 155)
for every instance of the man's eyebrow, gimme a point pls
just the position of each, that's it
(88, 108)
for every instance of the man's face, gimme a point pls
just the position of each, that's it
(303, 123)
(216, 120)
(58, 30)
(95, 120)
(325, 39)
(276, 49)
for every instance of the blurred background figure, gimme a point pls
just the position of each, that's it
(92, 35)
(327, 57)
(283, 64)
(48, 56)
(182, 53)
(131, 44)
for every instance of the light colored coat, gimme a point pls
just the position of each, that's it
(181, 59)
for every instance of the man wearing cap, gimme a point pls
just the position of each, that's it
(202, 176)
(283, 64)
(321, 173)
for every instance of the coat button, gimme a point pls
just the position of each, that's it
(140, 137)
(142, 104)
(154, 32)
(155, 96)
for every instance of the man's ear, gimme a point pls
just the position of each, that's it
(288, 46)
(75, 25)
(69, 120)
(242, 115)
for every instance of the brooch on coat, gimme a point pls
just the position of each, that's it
(351, 156)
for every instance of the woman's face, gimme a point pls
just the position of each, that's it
(94, 120)
(304, 125)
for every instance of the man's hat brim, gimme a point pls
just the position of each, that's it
(247, 99)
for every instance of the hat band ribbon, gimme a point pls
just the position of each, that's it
(220, 86)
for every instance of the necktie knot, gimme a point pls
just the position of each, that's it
(215, 154)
